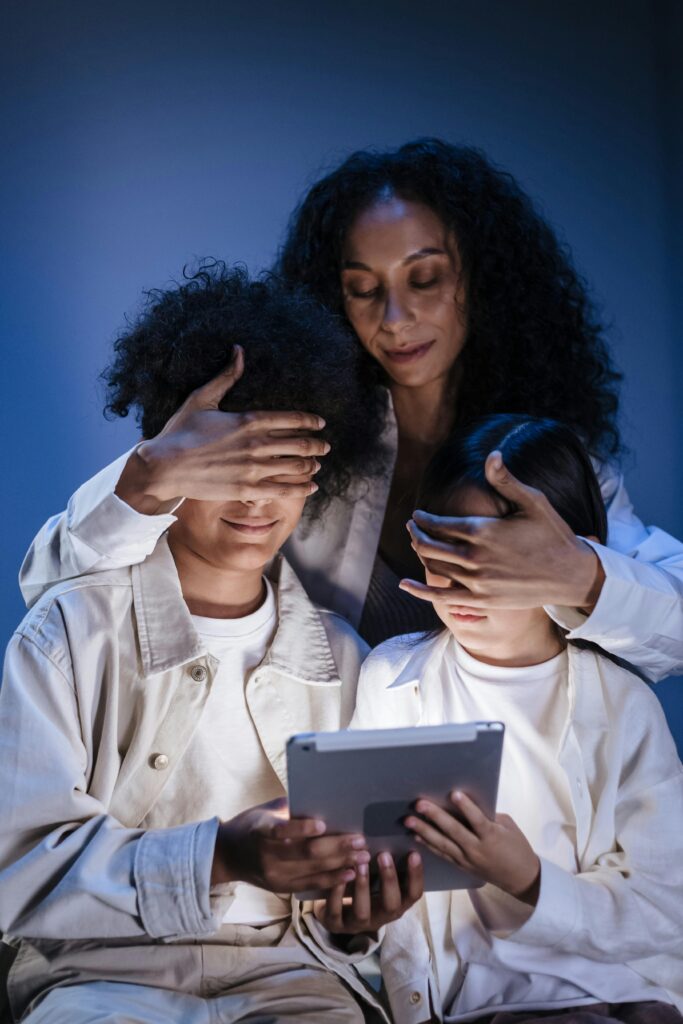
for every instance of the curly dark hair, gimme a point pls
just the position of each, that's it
(298, 357)
(535, 344)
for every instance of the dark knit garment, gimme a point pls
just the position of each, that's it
(389, 611)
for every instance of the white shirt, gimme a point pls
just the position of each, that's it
(474, 968)
(226, 746)
(609, 919)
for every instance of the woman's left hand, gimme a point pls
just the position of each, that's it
(496, 851)
(526, 560)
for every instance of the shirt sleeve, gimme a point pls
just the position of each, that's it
(626, 905)
(68, 869)
(97, 531)
(639, 613)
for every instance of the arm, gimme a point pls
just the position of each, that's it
(70, 870)
(638, 615)
(626, 597)
(117, 517)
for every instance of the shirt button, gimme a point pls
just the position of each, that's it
(415, 998)
(159, 762)
(198, 673)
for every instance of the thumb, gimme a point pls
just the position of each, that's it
(209, 395)
(507, 485)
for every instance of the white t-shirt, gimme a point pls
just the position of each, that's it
(476, 971)
(227, 741)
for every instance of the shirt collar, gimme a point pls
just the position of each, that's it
(300, 648)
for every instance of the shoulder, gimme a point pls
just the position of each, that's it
(401, 654)
(633, 719)
(82, 600)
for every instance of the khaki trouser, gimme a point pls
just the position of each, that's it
(260, 975)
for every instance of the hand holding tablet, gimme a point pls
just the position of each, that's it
(369, 781)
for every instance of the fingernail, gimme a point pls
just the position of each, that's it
(349, 876)
(410, 823)
(358, 843)
(320, 826)
(328, 447)
(362, 858)
(316, 465)
(321, 423)
(384, 860)
(314, 488)
(456, 795)
(362, 871)
(414, 859)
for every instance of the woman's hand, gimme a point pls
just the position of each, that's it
(526, 560)
(211, 455)
(363, 912)
(264, 847)
(496, 851)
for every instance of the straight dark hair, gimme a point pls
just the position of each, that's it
(541, 453)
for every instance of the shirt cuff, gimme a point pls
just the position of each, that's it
(499, 912)
(554, 916)
(172, 875)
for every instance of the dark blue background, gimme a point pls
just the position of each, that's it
(138, 135)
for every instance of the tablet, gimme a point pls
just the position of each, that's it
(367, 780)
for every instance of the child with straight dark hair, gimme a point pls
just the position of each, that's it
(580, 918)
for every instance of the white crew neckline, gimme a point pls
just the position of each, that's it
(242, 627)
(506, 673)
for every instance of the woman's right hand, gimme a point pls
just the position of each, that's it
(267, 848)
(211, 455)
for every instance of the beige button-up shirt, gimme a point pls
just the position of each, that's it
(105, 682)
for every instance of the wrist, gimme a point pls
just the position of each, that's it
(141, 482)
(585, 577)
(223, 870)
(529, 888)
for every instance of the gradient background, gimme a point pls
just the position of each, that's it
(136, 136)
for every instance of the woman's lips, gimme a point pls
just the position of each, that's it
(408, 355)
(255, 529)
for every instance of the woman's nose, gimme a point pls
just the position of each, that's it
(396, 312)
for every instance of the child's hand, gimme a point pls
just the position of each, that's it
(495, 851)
(364, 911)
(267, 848)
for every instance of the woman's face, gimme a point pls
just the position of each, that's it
(403, 290)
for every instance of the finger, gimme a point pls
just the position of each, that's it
(444, 595)
(451, 527)
(474, 816)
(332, 909)
(429, 547)
(303, 445)
(283, 467)
(446, 823)
(414, 878)
(507, 485)
(389, 888)
(335, 846)
(262, 421)
(323, 880)
(210, 394)
(362, 902)
(292, 829)
(272, 488)
(437, 842)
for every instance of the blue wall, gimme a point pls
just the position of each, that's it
(138, 135)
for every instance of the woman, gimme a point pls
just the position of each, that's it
(466, 303)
